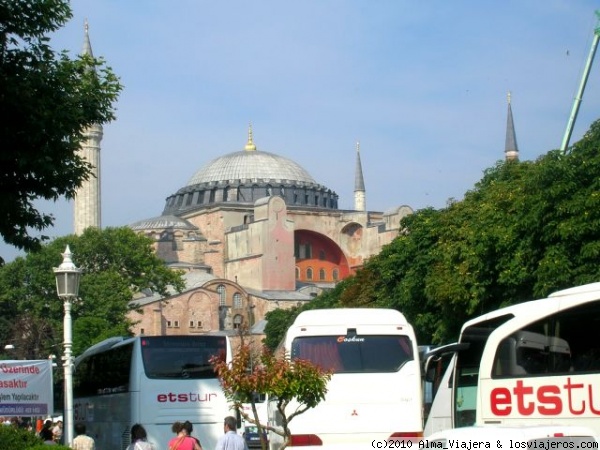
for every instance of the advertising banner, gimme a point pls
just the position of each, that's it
(26, 388)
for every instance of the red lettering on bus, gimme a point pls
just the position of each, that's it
(545, 397)
(570, 387)
(520, 392)
(185, 397)
(591, 397)
(547, 400)
(500, 402)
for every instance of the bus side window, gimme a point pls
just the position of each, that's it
(587, 360)
(506, 364)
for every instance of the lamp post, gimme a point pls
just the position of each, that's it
(67, 287)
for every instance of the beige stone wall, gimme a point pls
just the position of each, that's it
(211, 224)
(254, 254)
(255, 246)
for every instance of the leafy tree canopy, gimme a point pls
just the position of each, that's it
(47, 100)
(116, 263)
(298, 383)
(279, 320)
(525, 230)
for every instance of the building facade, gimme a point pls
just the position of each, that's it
(253, 231)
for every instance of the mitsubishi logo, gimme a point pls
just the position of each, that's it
(354, 413)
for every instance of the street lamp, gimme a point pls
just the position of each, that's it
(67, 287)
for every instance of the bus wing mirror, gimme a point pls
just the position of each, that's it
(433, 357)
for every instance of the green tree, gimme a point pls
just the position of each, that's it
(116, 263)
(47, 100)
(279, 320)
(283, 381)
(526, 229)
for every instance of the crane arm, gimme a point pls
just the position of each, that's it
(579, 96)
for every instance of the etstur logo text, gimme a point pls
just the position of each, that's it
(185, 397)
(548, 400)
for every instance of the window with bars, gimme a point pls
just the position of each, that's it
(222, 294)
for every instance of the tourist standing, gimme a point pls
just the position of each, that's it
(231, 440)
(82, 441)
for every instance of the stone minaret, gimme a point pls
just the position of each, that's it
(511, 150)
(87, 198)
(360, 202)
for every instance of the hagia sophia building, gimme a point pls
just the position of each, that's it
(253, 231)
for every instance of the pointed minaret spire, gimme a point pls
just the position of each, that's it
(87, 47)
(359, 184)
(250, 147)
(511, 150)
(87, 205)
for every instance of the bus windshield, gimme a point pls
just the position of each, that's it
(181, 357)
(354, 353)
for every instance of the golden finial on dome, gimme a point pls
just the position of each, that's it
(508, 97)
(250, 147)
(357, 146)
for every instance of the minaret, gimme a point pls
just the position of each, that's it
(87, 198)
(359, 184)
(511, 150)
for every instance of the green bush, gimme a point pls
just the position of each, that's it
(39, 446)
(12, 438)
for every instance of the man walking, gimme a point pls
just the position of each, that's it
(231, 440)
(82, 441)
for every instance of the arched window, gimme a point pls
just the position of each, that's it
(304, 251)
(322, 274)
(322, 255)
(222, 294)
(226, 194)
(237, 321)
(297, 273)
(309, 274)
(335, 274)
(237, 300)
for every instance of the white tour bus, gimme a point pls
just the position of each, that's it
(154, 381)
(375, 390)
(531, 364)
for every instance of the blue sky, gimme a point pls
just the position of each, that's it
(421, 84)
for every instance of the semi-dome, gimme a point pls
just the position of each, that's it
(245, 176)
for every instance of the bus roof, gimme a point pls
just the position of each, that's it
(101, 346)
(345, 316)
(583, 289)
(545, 306)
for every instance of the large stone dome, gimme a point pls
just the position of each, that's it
(245, 176)
(251, 165)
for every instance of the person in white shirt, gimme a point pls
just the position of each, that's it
(231, 440)
(82, 441)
